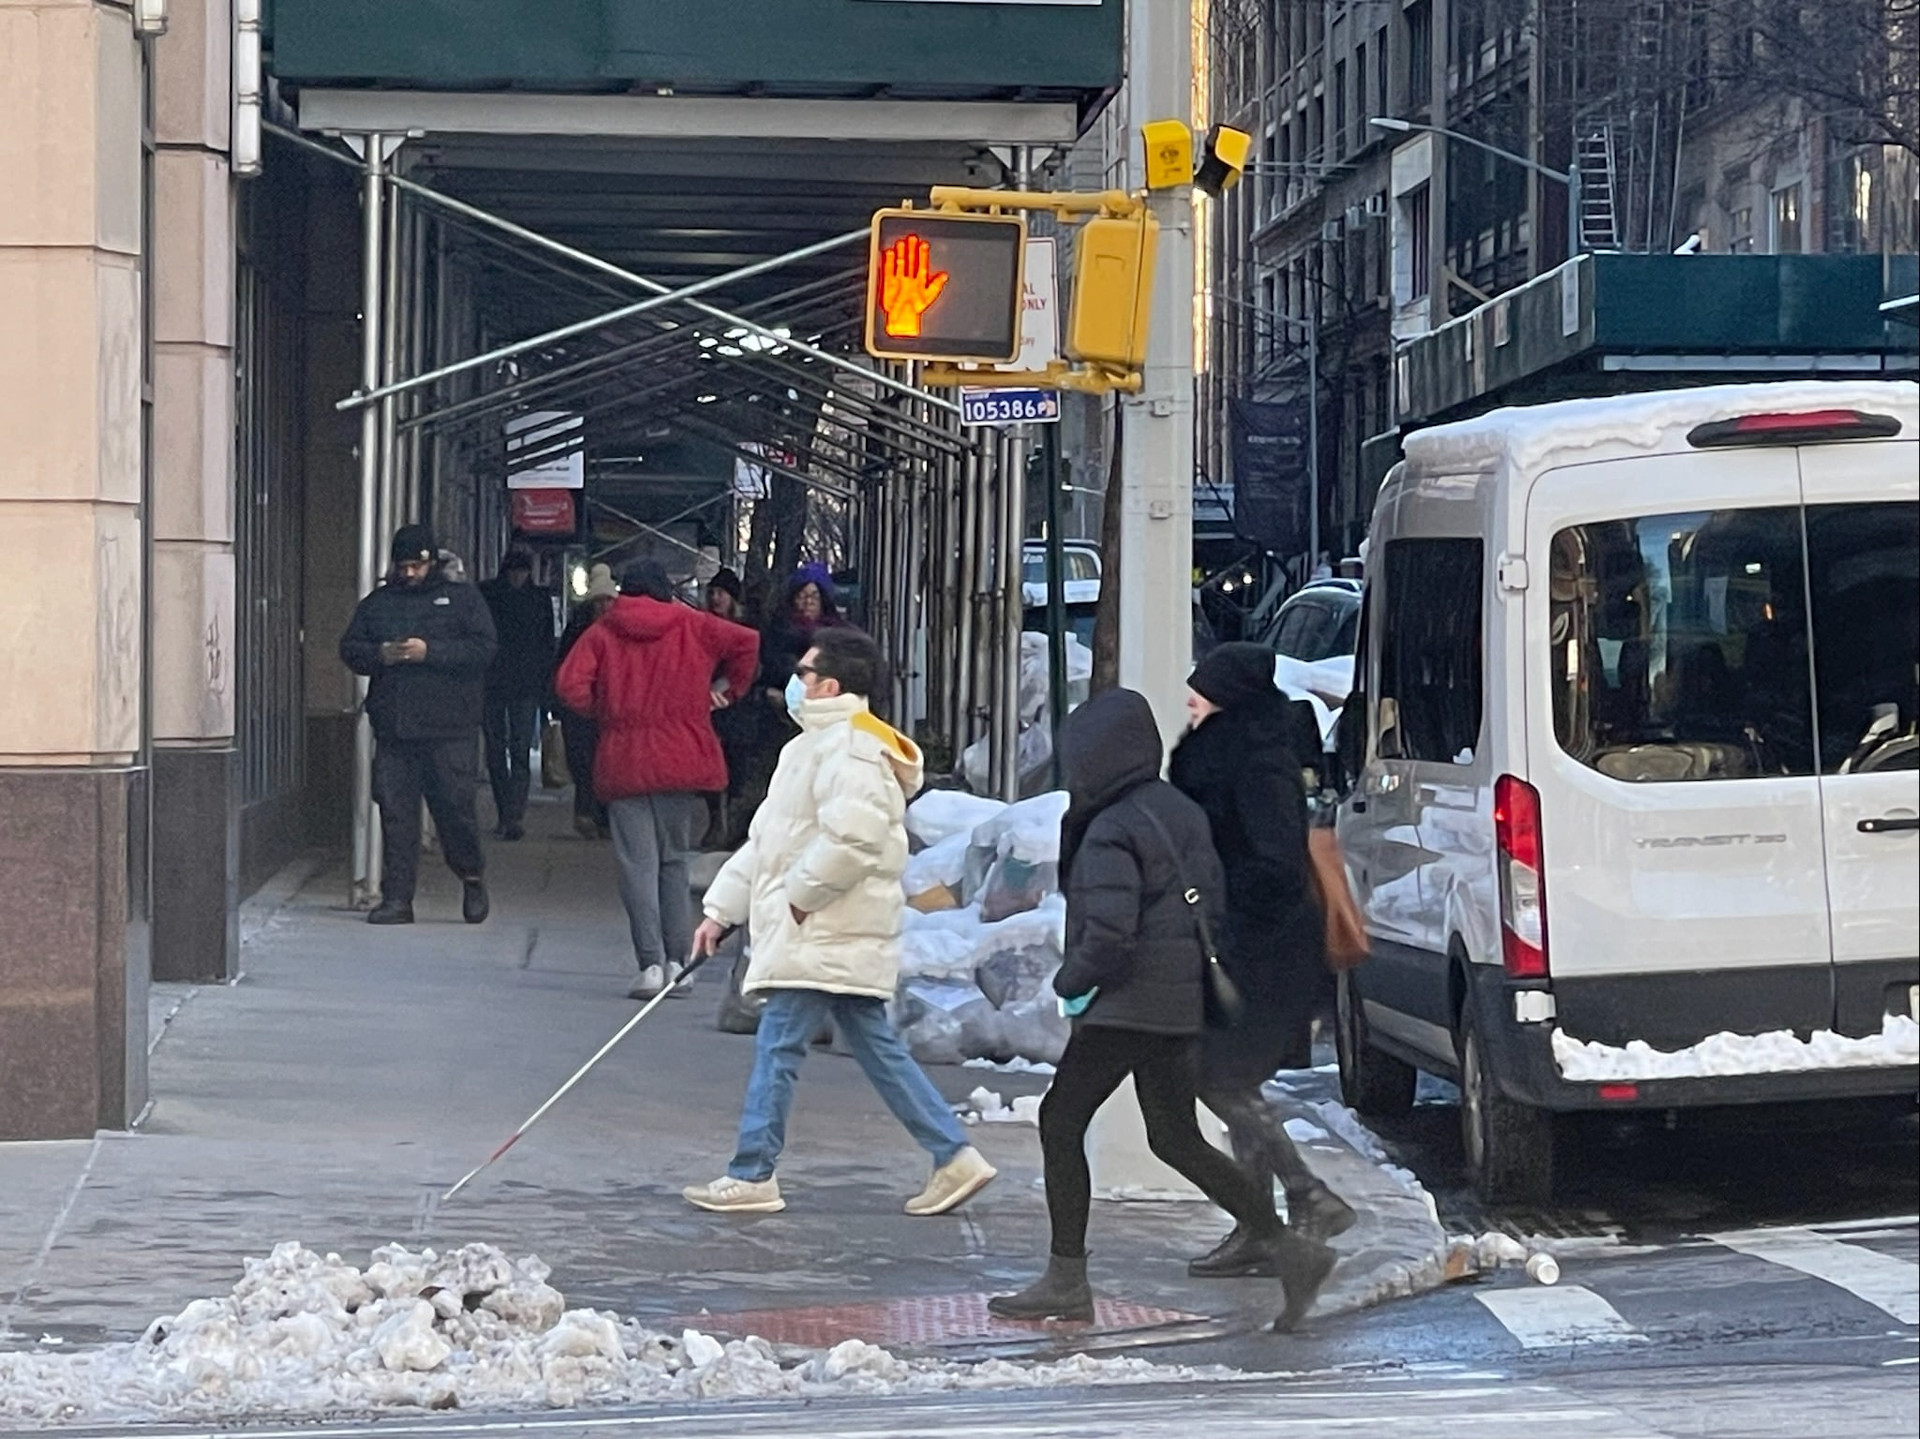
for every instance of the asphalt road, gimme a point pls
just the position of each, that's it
(1727, 1403)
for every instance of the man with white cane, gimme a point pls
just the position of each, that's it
(818, 884)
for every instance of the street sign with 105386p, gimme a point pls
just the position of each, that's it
(1039, 348)
(1009, 407)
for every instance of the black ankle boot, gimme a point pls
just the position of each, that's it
(390, 911)
(474, 906)
(1241, 1255)
(1060, 1293)
(1303, 1266)
(1319, 1213)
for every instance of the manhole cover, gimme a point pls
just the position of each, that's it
(924, 1321)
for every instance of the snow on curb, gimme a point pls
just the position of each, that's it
(303, 1335)
(1778, 1051)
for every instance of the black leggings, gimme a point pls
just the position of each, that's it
(1259, 1135)
(1164, 1070)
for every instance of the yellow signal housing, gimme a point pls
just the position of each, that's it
(1112, 291)
(1169, 151)
(1227, 151)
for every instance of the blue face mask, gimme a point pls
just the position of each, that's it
(796, 694)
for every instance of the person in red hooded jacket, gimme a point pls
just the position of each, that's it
(649, 674)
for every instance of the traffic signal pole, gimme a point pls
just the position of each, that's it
(1155, 563)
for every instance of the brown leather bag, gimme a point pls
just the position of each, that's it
(1346, 932)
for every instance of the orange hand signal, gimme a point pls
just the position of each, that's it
(908, 284)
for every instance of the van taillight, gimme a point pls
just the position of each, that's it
(1523, 888)
(1807, 427)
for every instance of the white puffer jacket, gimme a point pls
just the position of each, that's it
(830, 840)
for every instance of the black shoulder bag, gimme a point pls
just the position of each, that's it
(1223, 1003)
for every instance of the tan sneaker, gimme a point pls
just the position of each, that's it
(727, 1195)
(953, 1183)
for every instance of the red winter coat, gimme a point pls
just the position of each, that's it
(643, 673)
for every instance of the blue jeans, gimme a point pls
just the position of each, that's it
(787, 1026)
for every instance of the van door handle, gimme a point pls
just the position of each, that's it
(1887, 824)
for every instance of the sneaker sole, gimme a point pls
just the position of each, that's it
(956, 1199)
(759, 1206)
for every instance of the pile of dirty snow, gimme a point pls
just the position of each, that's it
(1776, 1052)
(306, 1335)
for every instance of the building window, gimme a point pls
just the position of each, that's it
(1339, 107)
(1786, 221)
(1740, 231)
(1419, 214)
(1419, 55)
(1382, 250)
(1383, 80)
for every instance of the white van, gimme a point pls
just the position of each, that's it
(1635, 820)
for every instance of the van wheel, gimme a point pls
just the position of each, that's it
(1509, 1146)
(1372, 1083)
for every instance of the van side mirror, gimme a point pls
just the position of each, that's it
(1350, 742)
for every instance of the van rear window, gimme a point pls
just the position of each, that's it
(1736, 644)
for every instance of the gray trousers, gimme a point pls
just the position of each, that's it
(652, 839)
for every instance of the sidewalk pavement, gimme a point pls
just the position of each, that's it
(336, 1089)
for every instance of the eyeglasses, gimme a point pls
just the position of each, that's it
(806, 672)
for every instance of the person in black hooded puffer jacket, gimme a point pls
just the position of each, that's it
(1241, 762)
(1134, 956)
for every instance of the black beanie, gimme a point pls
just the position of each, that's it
(413, 542)
(726, 581)
(1233, 674)
(646, 577)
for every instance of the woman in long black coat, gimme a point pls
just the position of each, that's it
(1241, 763)
(1135, 976)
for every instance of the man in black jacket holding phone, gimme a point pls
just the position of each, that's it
(424, 641)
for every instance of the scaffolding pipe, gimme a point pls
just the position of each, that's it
(366, 837)
(913, 609)
(390, 310)
(1010, 548)
(417, 252)
(598, 322)
(966, 498)
(984, 658)
(945, 626)
(605, 267)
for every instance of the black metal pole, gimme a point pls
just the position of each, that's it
(1056, 591)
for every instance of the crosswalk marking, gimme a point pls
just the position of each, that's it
(1887, 1283)
(1557, 1317)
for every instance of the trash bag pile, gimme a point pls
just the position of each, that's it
(985, 926)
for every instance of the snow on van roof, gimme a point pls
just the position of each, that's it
(1615, 426)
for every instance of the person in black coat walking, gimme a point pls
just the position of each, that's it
(1135, 976)
(424, 642)
(1241, 763)
(517, 683)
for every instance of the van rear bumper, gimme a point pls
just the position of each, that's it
(1521, 1059)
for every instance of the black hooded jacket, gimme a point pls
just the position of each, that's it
(440, 697)
(1240, 766)
(1130, 932)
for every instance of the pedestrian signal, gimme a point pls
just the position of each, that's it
(945, 287)
(1112, 291)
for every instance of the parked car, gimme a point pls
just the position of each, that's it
(1633, 742)
(1321, 621)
